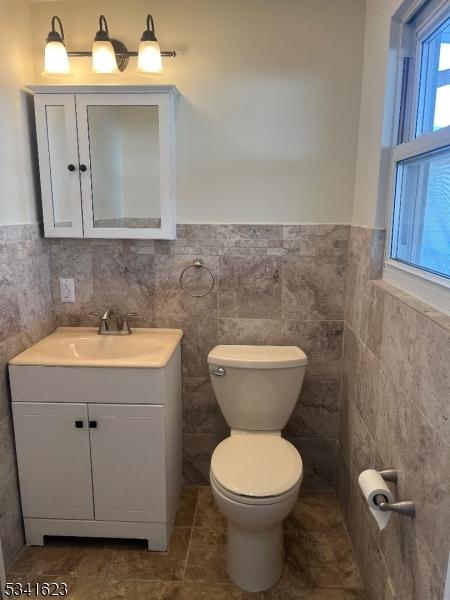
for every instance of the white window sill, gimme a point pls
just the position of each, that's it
(427, 287)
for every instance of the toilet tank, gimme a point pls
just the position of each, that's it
(257, 387)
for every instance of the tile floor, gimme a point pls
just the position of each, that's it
(319, 563)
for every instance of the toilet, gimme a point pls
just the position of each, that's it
(255, 474)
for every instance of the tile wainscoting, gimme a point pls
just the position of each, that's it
(26, 316)
(395, 412)
(274, 284)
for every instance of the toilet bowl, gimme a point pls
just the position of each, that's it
(255, 474)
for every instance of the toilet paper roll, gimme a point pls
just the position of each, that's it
(371, 484)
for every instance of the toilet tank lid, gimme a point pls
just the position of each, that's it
(258, 357)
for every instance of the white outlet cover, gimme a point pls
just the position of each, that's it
(67, 289)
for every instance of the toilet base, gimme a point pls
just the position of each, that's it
(255, 558)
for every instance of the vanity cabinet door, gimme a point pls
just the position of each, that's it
(128, 465)
(53, 456)
(59, 164)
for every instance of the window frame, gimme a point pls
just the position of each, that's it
(420, 21)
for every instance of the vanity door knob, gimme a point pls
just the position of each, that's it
(79, 424)
(83, 168)
(71, 167)
(93, 424)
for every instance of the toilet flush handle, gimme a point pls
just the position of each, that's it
(219, 373)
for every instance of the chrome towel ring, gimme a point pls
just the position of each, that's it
(197, 264)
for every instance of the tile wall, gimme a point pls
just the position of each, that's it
(395, 412)
(26, 315)
(273, 284)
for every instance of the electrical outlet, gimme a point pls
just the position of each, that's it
(67, 290)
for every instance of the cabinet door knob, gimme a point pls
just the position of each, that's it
(93, 424)
(71, 167)
(79, 424)
(83, 168)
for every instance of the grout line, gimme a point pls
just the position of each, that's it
(190, 539)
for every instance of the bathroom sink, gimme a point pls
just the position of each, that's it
(83, 347)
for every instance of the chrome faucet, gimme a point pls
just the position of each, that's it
(109, 324)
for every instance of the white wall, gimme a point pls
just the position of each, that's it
(17, 198)
(268, 117)
(374, 129)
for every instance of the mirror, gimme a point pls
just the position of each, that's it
(59, 161)
(125, 166)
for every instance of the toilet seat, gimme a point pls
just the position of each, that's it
(257, 468)
(253, 500)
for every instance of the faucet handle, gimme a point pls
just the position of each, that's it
(125, 326)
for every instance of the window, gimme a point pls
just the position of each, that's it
(421, 231)
(434, 100)
(419, 241)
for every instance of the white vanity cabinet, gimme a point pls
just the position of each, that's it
(106, 160)
(73, 457)
(98, 450)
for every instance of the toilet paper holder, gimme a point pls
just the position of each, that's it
(406, 507)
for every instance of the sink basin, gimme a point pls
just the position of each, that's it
(83, 347)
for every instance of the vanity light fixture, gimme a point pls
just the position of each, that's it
(55, 54)
(109, 56)
(103, 55)
(149, 55)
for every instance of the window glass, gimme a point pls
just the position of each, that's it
(421, 233)
(434, 93)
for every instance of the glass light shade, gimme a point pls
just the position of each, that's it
(103, 58)
(56, 61)
(149, 58)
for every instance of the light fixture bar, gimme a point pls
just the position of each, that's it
(82, 53)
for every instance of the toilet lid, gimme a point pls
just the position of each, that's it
(256, 465)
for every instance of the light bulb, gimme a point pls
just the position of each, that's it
(103, 57)
(149, 58)
(56, 61)
(149, 55)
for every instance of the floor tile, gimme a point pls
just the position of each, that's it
(314, 510)
(283, 592)
(140, 590)
(186, 507)
(207, 557)
(198, 591)
(310, 561)
(208, 515)
(354, 595)
(348, 571)
(134, 561)
(70, 557)
(319, 562)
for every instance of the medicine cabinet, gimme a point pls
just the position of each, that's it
(106, 160)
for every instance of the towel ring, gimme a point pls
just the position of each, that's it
(197, 264)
